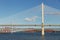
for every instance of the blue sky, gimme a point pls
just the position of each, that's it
(29, 11)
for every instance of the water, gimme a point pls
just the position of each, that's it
(29, 36)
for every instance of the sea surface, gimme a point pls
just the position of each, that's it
(29, 36)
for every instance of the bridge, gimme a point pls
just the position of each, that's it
(29, 24)
(42, 25)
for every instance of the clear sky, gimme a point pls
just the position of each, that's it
(29, 11)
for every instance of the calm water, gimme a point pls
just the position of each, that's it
(29, 36)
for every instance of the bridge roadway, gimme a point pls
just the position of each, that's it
(29, 25)
(23, 29)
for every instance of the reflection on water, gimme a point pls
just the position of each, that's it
(43, 37)
(29, 36)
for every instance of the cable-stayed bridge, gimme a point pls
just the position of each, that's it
(6, 29)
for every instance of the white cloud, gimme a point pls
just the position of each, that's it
(53, 13)
(28, 19)
(32, 19)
